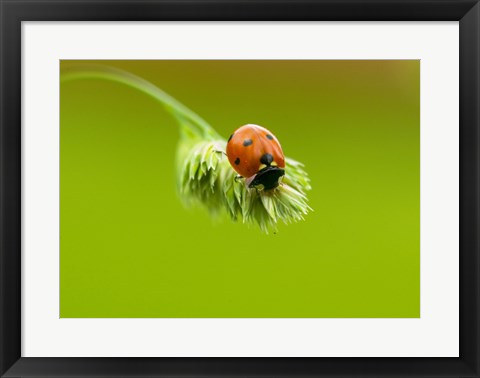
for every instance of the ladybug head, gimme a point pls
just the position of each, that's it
(267, 178)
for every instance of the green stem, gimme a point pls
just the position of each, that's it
(179, 111)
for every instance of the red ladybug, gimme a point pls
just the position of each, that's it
(255, 153)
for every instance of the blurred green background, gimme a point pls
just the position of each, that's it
(129, 248)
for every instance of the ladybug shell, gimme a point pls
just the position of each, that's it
(251, 148)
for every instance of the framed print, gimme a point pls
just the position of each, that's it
(242, 189)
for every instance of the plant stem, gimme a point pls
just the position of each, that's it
(179, 111)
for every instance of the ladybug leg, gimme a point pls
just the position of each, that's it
(220, 152)
(238, 177)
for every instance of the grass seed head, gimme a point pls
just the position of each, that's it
(206, 178)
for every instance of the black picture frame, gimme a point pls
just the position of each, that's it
(13, 12)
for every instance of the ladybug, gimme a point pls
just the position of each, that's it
(255, 153)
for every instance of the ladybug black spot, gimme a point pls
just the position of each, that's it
(231, 136)
(269, 137)
(237, 161)
(247, 142)
(266, 159)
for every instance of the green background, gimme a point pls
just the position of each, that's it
(129, 248)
